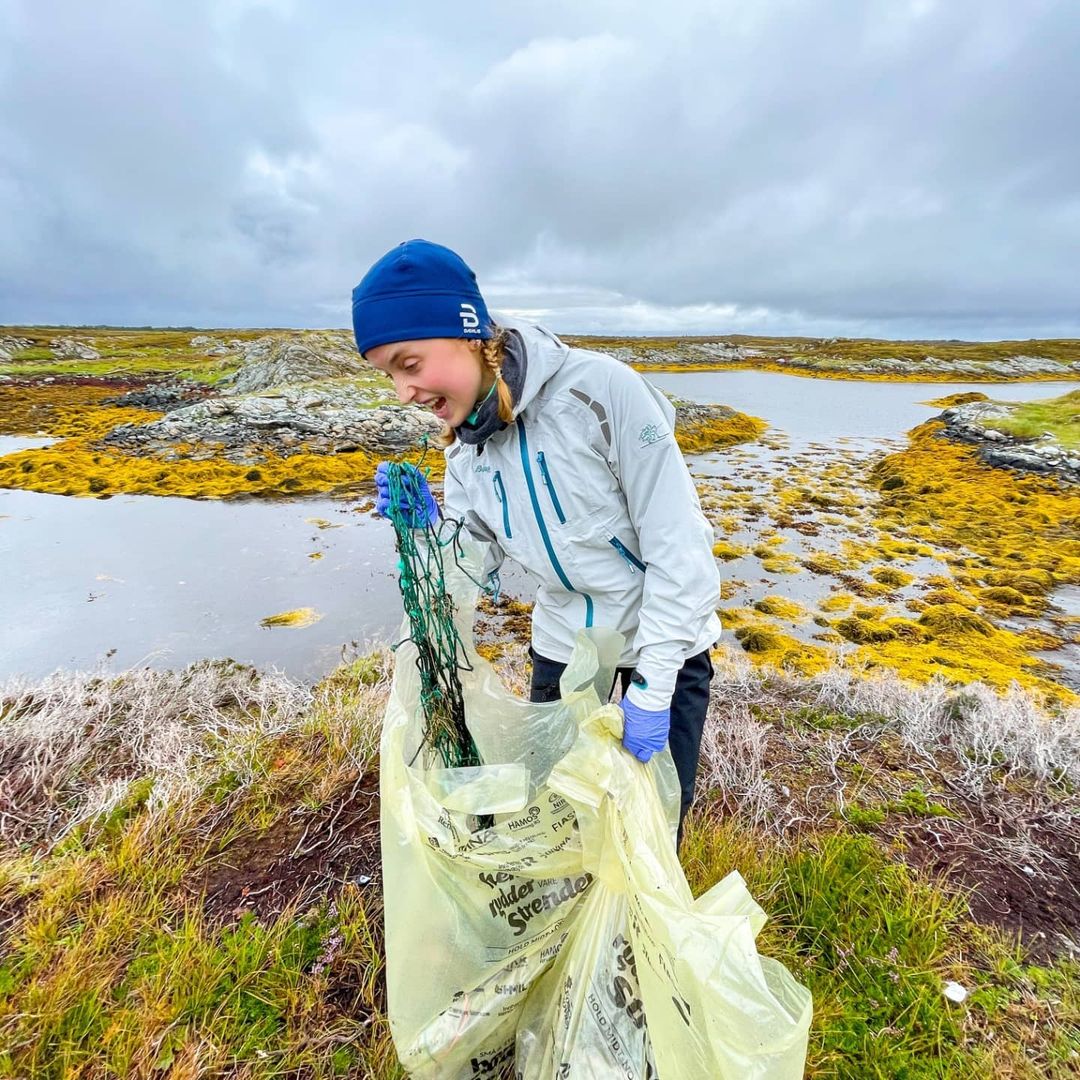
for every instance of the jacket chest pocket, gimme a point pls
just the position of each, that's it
(576, 492)
(549, 484)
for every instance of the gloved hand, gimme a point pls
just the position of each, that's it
(415, 501)
(645, 731)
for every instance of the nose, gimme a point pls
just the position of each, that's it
(403, 388)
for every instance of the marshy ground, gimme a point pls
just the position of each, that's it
(189, 863)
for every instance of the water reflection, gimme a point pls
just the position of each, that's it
(138, 579)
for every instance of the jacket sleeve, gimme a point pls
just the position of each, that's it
(456, 506)
(682, 582)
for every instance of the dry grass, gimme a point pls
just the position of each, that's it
(149, 817)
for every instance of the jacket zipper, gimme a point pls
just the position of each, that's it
(531, 483)
(627, 554)
(551, 487)
(500, 494)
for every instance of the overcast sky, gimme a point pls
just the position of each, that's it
(902, 168)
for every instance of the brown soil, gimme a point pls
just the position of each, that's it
(1037, 898)
(301, 858)
(1013, 851)
(120, 383)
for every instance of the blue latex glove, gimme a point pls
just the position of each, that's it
(416, 503)
(645, 731)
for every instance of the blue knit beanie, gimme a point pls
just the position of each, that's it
(418, 290)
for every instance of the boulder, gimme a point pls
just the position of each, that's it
(67, 348)
(11, 345)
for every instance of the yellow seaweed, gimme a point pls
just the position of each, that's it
(297, 619)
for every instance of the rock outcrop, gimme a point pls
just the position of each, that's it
(690, 352)
(819, 360)
(67, 348)
(972, 423)
(211, 346)
(327, 419)
(10, 346)
(163, 397)
(274, 361)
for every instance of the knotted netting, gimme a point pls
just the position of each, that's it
(430, 611)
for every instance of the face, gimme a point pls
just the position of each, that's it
(444, 374)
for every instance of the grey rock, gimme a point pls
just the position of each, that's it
(967, 423)
(339, 414)
(274, 361)
(10, 346)
(67, 348)
(163, 397)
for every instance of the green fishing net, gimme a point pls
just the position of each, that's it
(430, 611)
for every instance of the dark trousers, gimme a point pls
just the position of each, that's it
(689, 705)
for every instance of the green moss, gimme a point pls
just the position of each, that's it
(864, 817)
(915, 803)
(1058, 417)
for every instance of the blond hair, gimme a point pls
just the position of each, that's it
(492, 353)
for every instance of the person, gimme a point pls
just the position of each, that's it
(565, 460)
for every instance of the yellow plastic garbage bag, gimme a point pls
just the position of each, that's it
(563, 940)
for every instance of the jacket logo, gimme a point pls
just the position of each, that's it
(650, 434)
(470, 321)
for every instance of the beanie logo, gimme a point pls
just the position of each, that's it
(470, 321)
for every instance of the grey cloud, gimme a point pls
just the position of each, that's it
(904, 168)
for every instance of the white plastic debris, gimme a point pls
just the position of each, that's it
(955, 992)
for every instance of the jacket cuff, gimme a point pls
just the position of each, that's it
(657, 690)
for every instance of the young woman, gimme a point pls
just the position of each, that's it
(565, 460)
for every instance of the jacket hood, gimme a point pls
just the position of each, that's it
(544, 355)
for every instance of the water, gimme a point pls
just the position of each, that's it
(135, 580)
(816, 423)
(828, 410)
(9, 444)
(138, 579)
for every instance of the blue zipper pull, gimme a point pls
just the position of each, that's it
(624, 551)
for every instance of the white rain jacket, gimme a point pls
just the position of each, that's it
(588, 491)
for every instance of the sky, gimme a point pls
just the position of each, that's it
(893, 168)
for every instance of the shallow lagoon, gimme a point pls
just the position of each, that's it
(138, 580)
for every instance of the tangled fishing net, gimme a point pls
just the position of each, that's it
(430, 611)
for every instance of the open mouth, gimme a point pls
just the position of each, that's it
(439, 407)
